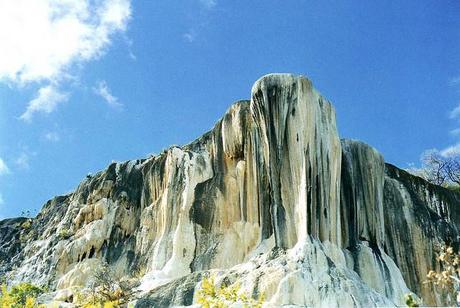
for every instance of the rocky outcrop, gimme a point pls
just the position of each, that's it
(362, 214)
(362, 194)
(300, 155)
(270, 197)
(419, 216)
(10, 242)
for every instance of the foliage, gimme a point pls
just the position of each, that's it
(211, 296)
(26, 235)
(106, 290)
(5, 298)
(21, 295)
(26, 224)
(92, 299)
(410, 301)
(30, 302)
(64, 234)
(96, 303)
(110, 287)
(448, 279)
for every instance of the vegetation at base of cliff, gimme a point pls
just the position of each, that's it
(21, 295)
(105, 290)
(447, 279)
(212, 296)
(92, 303)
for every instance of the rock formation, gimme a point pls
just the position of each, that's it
(270, 197)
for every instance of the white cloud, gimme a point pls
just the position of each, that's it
(132, 56)
(455, 81)
(3, 168)
(455, 132)
(455, 113)
(41, 41)
(208, 3)
(190, 36)
(47, 100)
(454, 149)
(194, 31)
(103, 91)
(52, 136)
(129, 43)
(23, 161)
(451, 151)
(414, 170)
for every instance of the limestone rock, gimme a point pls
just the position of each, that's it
(418, 217)
(10, 242)
(270, 196)
(362, 194)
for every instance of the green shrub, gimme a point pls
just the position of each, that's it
(64, 234)
(410, 301)
(26, 224)
(26, 236)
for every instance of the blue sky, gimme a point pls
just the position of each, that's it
(84, 83)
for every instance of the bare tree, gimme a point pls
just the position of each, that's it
(433, 167)
(453, 170)
(106, 286)
(441, 170)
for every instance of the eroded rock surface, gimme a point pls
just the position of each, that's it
(270, 197)
(418, 217)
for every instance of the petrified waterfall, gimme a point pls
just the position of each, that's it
(270, 197)
(295, 128)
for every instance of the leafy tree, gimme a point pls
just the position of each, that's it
(21, 295)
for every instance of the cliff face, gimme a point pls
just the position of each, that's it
(270, 197)
(418, 216)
